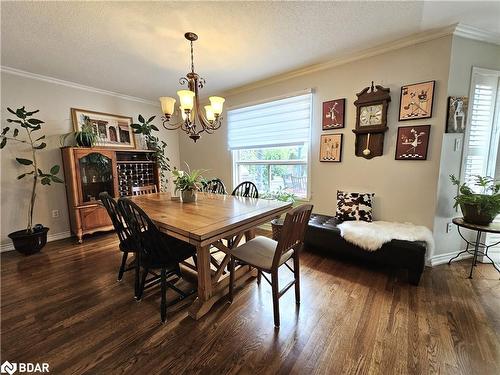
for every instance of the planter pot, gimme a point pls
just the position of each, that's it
(29, 243)
(188, 196)
(277, 227)
(83, 139)
(473, 214)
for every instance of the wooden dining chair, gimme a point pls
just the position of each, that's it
(142, 190)
(246, 189)
(156, 251)
(268, 255)
(215, 186)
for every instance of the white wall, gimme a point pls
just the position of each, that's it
(54, 102)
(405, 190)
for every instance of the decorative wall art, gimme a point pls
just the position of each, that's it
(333, 114)
(412, 142)
(416, 101)
(331, 148)
(457, 114)
(112, 130)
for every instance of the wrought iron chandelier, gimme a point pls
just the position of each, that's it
(192, 120)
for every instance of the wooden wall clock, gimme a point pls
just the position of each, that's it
(371, 120)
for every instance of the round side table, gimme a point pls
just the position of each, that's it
(480, 229)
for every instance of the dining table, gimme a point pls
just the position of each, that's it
(213, 221)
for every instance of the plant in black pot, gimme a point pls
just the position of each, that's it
(85, 137)
(34, 237)
(478, 208)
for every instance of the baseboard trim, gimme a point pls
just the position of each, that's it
(436, 260)
(8, 246)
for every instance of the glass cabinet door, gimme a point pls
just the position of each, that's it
(96, 176)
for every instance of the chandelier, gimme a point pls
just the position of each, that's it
(188, 116)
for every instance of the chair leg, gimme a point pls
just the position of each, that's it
(122, 267)
(276, 301)
(231, 279)
(259, 276)
(145, 272)
(137, 286)
(163, 306)
(296, 274)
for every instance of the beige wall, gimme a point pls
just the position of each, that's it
(405, 190)
(54, 102)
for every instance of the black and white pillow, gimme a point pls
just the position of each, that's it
(354, 206)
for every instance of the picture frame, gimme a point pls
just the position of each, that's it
(412, 142)
(416, 101)
(331, 148)
(456, 121)
(333, 114)
(113, 130)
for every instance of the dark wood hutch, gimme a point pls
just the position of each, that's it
(90, 171)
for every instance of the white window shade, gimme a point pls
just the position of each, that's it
(277, 123)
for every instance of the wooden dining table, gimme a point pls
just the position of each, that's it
(213, 221)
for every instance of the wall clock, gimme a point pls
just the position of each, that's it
(371, 120)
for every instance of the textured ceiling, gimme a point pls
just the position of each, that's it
(138, 48)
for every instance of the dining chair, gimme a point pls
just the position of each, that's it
(142, 190)
(157, 251)
(127, 242)
(215, 186)
(246, 189)
(268, 255)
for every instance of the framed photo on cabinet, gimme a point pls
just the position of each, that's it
(333, 114)
(330, 149)
(416, 101)
(412, 142)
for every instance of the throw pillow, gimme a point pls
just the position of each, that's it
(354, 206)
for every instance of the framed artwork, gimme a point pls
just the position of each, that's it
(333, 114)
(416, 101)
(331, 148)
(412, 142)
(112, 130)
(457, 114)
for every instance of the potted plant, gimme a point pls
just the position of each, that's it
(85, 137)
(188, 183)
(146, 128)
(34, 237)
(283, 196)
(478, 208)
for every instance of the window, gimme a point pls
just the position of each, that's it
(270, 144)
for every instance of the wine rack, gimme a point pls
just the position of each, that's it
(134, 174)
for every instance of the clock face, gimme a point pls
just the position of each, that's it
(370, 115)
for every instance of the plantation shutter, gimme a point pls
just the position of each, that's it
(281, 122)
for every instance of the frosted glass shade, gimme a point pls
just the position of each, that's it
(186, 98)
(167, 105)
(209, 113)
(216, 102)
(183, 113)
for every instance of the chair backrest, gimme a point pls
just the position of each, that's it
(246, 189)
(150, 240)
(215, 186)
(115, 215)
(142, 190)
(293, 232)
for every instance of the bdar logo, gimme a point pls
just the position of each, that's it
(8, 368)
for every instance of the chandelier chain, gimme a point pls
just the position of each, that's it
(192, 58)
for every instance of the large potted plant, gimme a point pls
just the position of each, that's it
(478, 208)
(34, 237)
(188, 182)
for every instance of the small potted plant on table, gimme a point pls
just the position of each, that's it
(34, 237)
(188, 183)
(478, 208)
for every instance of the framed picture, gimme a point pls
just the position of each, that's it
(333, 114)
(412, 142)
(457, 114)
(113, 130)
(331, 148)
(416, 101)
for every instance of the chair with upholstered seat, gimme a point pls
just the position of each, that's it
(246, 189)
(156, 251)
(268, 255)
(215, 186)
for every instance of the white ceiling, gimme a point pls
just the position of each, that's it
(138, 48)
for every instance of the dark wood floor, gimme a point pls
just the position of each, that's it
(65, 307)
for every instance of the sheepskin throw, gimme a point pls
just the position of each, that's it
(371, 236)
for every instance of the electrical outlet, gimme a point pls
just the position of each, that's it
(55, 214)
(449, 227)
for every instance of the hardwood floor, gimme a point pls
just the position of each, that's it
(65, 307)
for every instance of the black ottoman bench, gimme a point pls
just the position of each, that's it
(322, 234)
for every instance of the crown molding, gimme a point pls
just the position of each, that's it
(74, 85)
(472, 32)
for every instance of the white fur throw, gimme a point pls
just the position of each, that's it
(371, 236)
